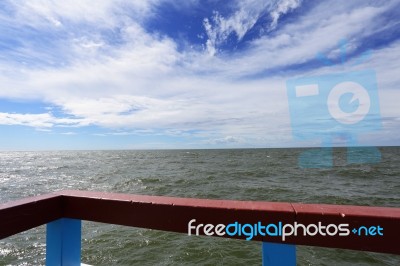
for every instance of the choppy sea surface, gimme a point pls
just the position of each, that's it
(243, 174)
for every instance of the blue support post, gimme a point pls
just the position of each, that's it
(63, 242)
(278, 254)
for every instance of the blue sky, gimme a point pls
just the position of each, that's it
(162, 74)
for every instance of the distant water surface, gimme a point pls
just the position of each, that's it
(245, 174)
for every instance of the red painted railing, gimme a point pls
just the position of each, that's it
(174, 214)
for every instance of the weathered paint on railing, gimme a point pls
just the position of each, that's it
(24, 214)
(173, 214)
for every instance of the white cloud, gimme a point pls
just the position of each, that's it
(220, 28)
(145, 85)
(227, 139)
(283, 7)
(70, 133)
(34, 120)
(297, 43)
(105, 13)
(248, 12)
(40, 121)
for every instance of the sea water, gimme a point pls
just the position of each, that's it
(242, 174)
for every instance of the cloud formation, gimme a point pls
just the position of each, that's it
(246, 14)
(103, 67)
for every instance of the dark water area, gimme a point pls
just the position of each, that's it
(243, 174)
